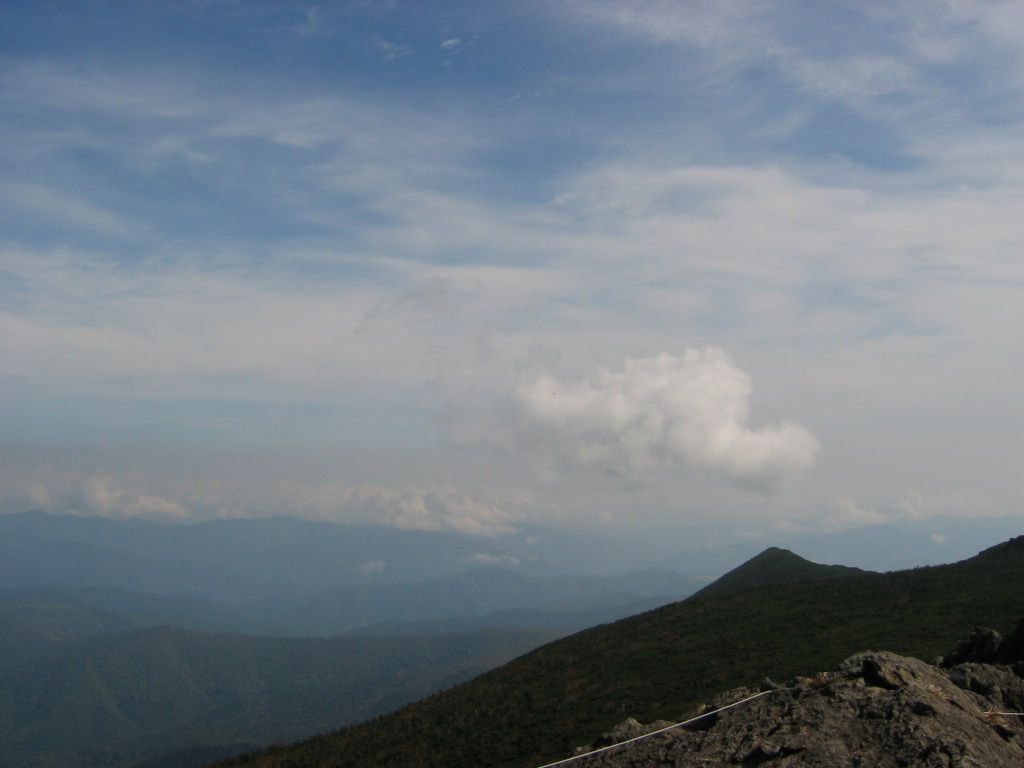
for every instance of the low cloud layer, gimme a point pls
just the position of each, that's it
(656, 415)
(481, 510)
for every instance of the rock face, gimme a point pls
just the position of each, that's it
(876, 710)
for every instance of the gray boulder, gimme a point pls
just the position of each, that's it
(876, 710)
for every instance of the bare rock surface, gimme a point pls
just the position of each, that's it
(876, 710)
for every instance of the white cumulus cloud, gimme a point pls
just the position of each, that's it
(655, 415)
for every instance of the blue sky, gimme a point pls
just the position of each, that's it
(468, 265)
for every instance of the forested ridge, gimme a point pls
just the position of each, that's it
(663, 663)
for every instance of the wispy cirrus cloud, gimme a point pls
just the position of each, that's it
(49, 203)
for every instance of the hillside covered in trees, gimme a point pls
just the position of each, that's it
(663, 663)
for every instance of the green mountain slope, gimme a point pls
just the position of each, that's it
(111, 699)
(662, 663)
(775, 566)
(35, 620)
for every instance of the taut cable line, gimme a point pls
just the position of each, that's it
(655, 733)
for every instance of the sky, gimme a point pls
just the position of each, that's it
(748, 268)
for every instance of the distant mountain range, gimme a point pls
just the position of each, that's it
(108, 654)
(658, 665)
(231, 561)
(237, 561)
(298, 578)
(478, 593)
(126, 640)
(117, 698)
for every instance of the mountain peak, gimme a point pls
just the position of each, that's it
(775, 566)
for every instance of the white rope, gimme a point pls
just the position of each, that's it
(660, 730)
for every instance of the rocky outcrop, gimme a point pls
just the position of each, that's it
(876, 710)
(989, 647)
